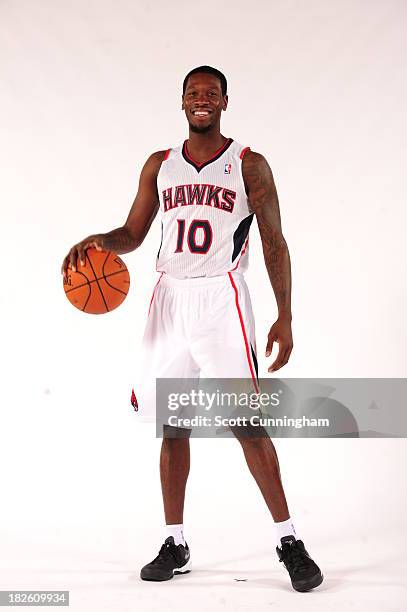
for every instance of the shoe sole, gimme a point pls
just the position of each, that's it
(310, 585)
(185, 569)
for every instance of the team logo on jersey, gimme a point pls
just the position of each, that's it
(228, 168)
(200, 194)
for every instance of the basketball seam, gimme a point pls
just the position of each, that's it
(101, 292)
(105, 277)
(95, 279)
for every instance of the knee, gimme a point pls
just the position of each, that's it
(258, 445)
(251, 437)
(176, 433)
(174, 447)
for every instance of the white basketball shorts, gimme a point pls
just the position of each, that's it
(196, 328)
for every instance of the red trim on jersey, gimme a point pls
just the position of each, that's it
(244, 151)
(187, 153)
(256, 387)
(167, 153)
(155, 287)
(242, 253)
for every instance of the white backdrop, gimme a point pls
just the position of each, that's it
(88, 91)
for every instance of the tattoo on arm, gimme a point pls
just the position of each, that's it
(119, 240)
(263, 199)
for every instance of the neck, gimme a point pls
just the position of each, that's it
(207, 142)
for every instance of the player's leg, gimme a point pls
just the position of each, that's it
(233, 319)
(165, 355)
(174, 555)
(174, 471)
(262, 461)
(224, 347)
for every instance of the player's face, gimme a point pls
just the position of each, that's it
(203, 102)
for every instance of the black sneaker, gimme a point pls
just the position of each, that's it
(304, 573)
(171, 560)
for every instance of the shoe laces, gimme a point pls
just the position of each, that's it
(167, 551)
(294, 556)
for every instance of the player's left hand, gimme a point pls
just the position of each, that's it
(281, 333)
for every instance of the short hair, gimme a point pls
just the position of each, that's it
(207, 70)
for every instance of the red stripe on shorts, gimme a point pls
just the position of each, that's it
(244, 333)
(155, 287)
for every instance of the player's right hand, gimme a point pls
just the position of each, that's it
(77, 253)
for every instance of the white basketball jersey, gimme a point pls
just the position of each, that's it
(205, 213)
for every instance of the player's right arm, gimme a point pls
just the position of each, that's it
(130, 236)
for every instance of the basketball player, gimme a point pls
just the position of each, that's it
(208, 190)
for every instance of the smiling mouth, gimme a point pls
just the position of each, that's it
(201, 113)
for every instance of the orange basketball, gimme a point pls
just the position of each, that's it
(100, 285)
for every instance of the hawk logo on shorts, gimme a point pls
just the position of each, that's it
(134, 401)
(228, 168)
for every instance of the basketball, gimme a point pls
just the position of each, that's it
(100, 285)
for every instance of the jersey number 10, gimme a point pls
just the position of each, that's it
(196, 224)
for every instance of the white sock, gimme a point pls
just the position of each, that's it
(285, 528)
(177, 532)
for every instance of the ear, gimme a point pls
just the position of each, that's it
(182, 103)
(225, 102)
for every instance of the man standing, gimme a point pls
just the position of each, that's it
(208, 190)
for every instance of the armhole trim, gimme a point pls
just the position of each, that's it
(243, 152)
(167, 153)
